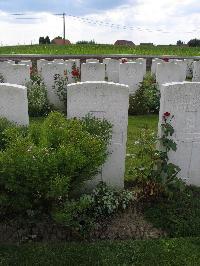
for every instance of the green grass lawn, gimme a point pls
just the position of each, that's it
(182, 251)
(135, 125)
(100, 49)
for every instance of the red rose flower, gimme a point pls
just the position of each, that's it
(75, 73)
(166, 59)
(166, 114)
(124, 61)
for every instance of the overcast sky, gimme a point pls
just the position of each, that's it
(157, 21)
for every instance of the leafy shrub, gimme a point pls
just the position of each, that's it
(38, 104)
(42, 166)
(104, 201)
(146, 99)
(98, 127)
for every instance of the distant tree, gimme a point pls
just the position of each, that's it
(179, 43)
(47, 40)
(58, 37)
(86, 42)
(41, 40)
(194, 43)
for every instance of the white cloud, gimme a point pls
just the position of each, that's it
(155, 21)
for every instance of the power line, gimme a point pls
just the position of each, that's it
(95, 22)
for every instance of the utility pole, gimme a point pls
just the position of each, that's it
(64, 28)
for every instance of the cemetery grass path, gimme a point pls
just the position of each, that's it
(180, 251)
(135, 125)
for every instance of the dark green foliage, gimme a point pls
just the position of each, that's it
(41, 166)
(179, 43)
(43, 40)
(179, 216)
(38, 104)
(4, 124)
(146, 100)
(98, 127)
(194, 43)
(165, 252)
(86, 42)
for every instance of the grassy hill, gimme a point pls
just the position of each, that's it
(77, 49)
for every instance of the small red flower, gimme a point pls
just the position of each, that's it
(124, 60)
(75, 73)
(166, 114)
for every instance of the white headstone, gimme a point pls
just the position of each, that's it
(15, 74)
(92, 60)
(58, 61)
(144, 63)
(48, 72)
(109, 101)
(196, 71)
(189, 71)
(14, 103)
(40, 63)
(112, 69)
(131, 74)
(182, 101)
(154, 65)
(170, 72)
(25, 62)
(92, 72)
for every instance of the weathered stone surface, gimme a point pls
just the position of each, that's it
(14, 103)
(144, 64)
(131, 74)
(182, 100)
(92, 60)
(25, 62)
(15, 73)
(48, 71)
(40, 63)
(196, 71)
(92, 72)
(109, 101)
(154, 65)
(112, 69)
(190, 65)
(170, 72)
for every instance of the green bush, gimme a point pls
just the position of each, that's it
(42, 166)
(38, 104)
(103, 202)
(146, 99)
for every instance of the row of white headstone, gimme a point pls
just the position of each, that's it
(110, 101)
(130, 73)
(175, 70)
